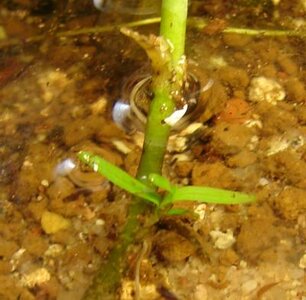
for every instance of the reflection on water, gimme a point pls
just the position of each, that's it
(130, 111)
(64, 167)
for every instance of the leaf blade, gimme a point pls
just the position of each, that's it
(210, 195)
(178, 211)
(160, 181)
(119, 177)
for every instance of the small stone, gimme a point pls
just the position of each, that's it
(200, 210)
(182, 157)
(190, 129)
(27, 164)
(100, 222)
(173, 247)
(99, 106)
(54, 250)
(127, 290)
(222, 240)
(302, 263)
(183, 168)
(249, 286)
(266, 89)
(289, 209)
(36, 277)
(45, 183)
(229, 257)
(52, 223)
(14, 262)
(121, 146)
(3, 34)
(177, 144)
(263, 181)
(243, 264)
(200, 292)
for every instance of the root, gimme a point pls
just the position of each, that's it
(143, 252)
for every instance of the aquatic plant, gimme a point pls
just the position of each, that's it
(170, 193)
(169, 83)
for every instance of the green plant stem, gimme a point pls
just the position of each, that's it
(156, 138)
(173, 30)
(173, 26)
(156, 134)
(107, 280)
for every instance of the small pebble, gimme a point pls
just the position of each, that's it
(200, 211)
(36, 277)
(121, 146)
(200, 292)
(45, 183)
(302, 263)
(54, 250)
(222, 240)
(266, 89)
(100, 222)
(263, 181)
(249, 286)
(52, 223)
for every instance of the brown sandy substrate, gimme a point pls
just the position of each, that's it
(56, 99)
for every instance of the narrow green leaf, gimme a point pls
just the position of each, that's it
(178, 211)
(160, 181)
(119, 177)
(210, 195)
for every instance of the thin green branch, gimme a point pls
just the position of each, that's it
(76, 32)
(200, 23)
(193, 22)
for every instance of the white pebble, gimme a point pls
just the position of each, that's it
(243, 264)
(266, 89)
(100, 222)
(222, 240)
(177, 144)
(98, 4)
(54, 250)
(14, 262)
(249, 286)
(27, 163)
(263, 181)
(200, 211)
(99, 106)
(181, 157)
(200, 292)
(253, 142)
(121, 146)
(302, 263)
(190, 129)
(253, 123)
(36, 277)
(45, 183)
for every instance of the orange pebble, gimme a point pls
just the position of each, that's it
(236, 111)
